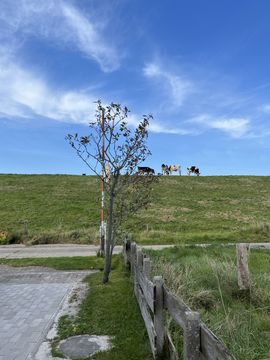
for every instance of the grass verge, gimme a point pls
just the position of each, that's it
(110, 309)
(63, 263)
(206, 280)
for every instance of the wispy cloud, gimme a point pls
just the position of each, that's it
(234, 127)
(265, 108)
(156, 126)
(202, 103)
(86, 36)
(24, 94)
(59, 22)
(176, 86)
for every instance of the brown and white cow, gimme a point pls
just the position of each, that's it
(176, 168)
(107, 173)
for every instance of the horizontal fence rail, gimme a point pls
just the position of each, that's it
(154, 299)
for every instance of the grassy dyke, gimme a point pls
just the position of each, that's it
(38, 209)
(49, 208)
(206, 279)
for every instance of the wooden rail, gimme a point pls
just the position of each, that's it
(154, 299)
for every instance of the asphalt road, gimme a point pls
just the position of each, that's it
(69, 250)
(59, 250)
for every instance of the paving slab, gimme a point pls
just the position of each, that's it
(30, 300)
(83, 346)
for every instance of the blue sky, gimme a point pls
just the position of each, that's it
(201, 67)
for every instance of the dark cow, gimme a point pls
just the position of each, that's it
(193, 170)
(145, 170)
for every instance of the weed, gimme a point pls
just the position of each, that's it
(3, 237)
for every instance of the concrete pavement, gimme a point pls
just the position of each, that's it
(30, 300)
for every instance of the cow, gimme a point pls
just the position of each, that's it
(107, 173)
(165, 169)
(193, 170)
(145, 170)
(176, 168)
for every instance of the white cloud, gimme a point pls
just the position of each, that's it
(89, 41)
(178, 87)
(59, 22)
(193, 96)
(234, 127)
(265, 108)
(24, 94)
(156, 127)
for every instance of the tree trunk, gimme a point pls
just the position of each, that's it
(107, 265)
(109, 240)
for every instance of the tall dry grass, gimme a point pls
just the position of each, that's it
(206, 279)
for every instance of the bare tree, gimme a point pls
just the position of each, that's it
(124, 148)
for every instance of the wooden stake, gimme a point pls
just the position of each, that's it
(242, 266)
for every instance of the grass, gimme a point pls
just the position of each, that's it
(208, 209)
(38, 209)
(111, 310)
(206, 280)
(49, 208)
(63, 263)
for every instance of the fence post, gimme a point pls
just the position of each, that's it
(158, 316)
(146, 267)
(137, 268)
(139, 259)
(192, 336)
(242, 266)
(127, 250)
(133, 258)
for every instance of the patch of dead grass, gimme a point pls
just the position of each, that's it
(184, 209)
(232, 215)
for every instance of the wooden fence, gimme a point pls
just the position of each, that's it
(154, 299)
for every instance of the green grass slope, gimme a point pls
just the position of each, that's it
(62, 208)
